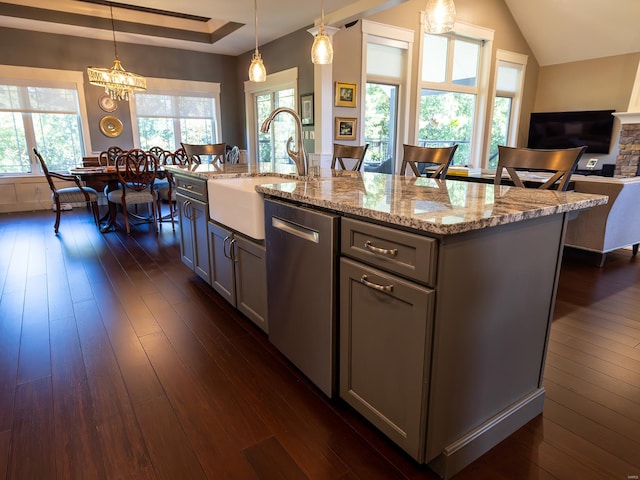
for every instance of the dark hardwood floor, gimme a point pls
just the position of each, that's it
(117, 362)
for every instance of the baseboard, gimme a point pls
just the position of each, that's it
(466, 449)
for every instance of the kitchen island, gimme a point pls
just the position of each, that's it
(446, 294)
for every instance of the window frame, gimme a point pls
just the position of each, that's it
(402, 39)
(515, 60)
(282, 80)
(484, 37)
(48, 78)
(174, 88)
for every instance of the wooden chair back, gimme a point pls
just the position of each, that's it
(413, 155)
(561, 163)
(160, 153)
(179, 157)
(217, 151)
(110, 156)
(137, 169)
(354, 152)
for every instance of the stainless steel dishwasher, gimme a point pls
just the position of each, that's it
(302, 260)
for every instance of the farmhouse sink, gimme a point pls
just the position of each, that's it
(235, 203)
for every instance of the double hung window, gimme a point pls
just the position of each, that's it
(42, 115)
(453, 91)
(510, 68)
(279, 90)
(448, 99)
(166, 119)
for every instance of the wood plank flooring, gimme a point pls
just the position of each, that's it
(117, 362)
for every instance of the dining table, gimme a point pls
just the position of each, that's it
(108, 175)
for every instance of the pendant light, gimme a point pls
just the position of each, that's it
(322, 50)
(257, 72)
(440, 16)
(117, 82)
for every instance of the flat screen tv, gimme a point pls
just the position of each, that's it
(592, 128)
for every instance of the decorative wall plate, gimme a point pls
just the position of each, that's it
(107, 103)
(110, 126)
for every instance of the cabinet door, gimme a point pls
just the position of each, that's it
(251, 280)
(187, 252)
(385, 338)
(222, 275)
(199, 217)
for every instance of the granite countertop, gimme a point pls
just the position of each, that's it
(231, 170)
(442, 207)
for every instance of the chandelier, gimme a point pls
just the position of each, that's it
(322, 50)
(440, 16)
(117, 82)
(257, 72)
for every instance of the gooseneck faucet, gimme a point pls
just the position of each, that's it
(299, 155)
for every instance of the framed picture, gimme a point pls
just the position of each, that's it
(346, 94)
(345, 128)
(306, 108)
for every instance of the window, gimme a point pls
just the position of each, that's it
(166, 120)
(272, 144)
(43, 116)
(453, 91)
(506, 104)
(388, 70)
(279, 90)
(381, 107)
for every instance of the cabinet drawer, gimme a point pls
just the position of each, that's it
(192, 187)
(406, 254)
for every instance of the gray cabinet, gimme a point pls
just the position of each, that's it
(193, 214)
(238, 272)
(386, 330)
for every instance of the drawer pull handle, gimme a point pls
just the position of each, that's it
(188, 186)
(375, 286)
(382, 251)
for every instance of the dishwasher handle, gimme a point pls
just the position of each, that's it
(294, 229)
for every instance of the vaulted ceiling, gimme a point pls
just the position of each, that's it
(558, 31)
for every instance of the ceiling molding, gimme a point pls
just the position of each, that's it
(101, 23)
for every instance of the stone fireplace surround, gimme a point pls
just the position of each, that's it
(628, 159)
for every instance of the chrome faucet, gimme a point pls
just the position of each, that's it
(299, 155)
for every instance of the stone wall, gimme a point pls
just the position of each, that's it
(629, 150)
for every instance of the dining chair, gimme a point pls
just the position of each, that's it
(352, 152)
(136, 171)
(217, 151)
(160, 154)
(166, 191)
(561, 163)
(414, 155)
(108, 157)
(77, 194)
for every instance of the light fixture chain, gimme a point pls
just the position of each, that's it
(113, 29)
(255, 17)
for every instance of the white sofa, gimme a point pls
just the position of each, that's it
(607, 227)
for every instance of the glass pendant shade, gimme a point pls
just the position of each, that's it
(440, 16)
(257, 72)
(117, 82)
(322, 50)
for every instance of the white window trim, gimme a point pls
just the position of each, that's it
(275, 81)
(373, 32)
(51, 77)
(167, 86)
(506, 58)
(485, 35)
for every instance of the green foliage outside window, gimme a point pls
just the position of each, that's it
(446, 118)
